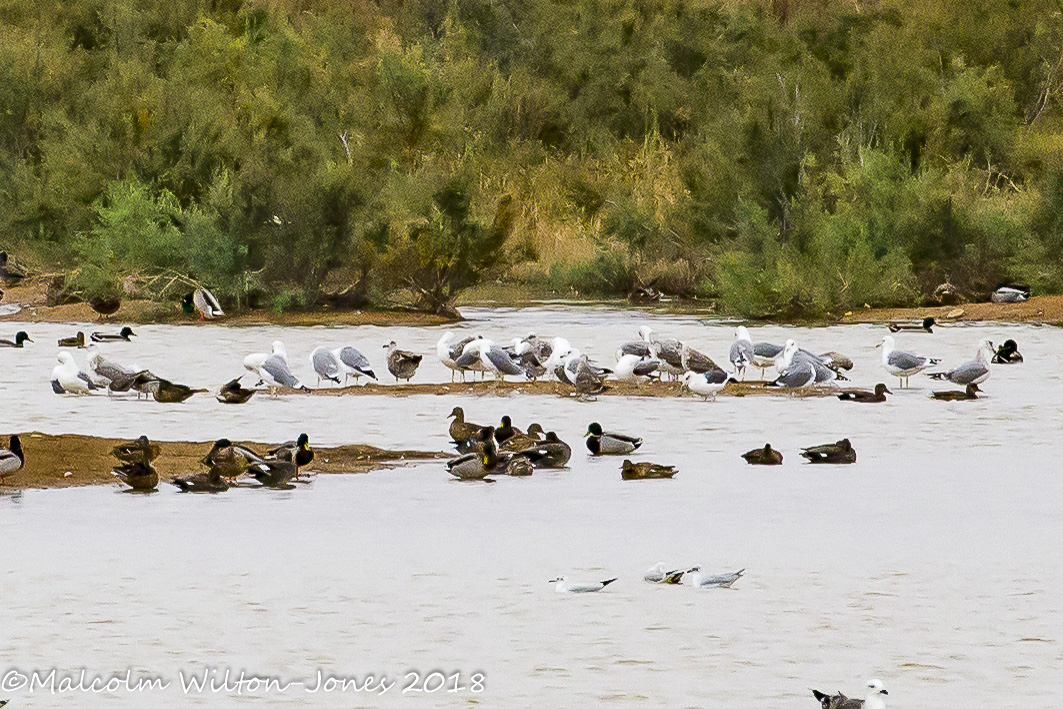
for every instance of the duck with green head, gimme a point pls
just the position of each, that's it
(20, 338)
(601, 443)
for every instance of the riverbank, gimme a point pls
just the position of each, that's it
(1039, 310)
(88, 458)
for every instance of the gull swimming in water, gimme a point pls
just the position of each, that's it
(563, 585)
(660, 573)
(704, 580)
(742, 352)
(874, 699)
(974, 372)
(902, 364)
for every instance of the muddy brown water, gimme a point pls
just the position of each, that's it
(932, 563)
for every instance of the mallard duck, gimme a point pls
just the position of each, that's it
(551, 452)
(903, 364)
(840, 453)
(563, 585)
(724, 580)
(966, 395)
(927, 325)
(203, 301)
(77, 340)
(974, 372)
(506, 430)
(230, 460)
(11, 458)
(601, 443)
(298, 451)
(138, 475)
(867, 397)
(519, 466)
(233, 393)
(210, 481)
(20, 337)
(402, 364)
(10, 271)
(166, 392)
(874, 700)
(522, 441)
(460, 429)
(1008, 353)
(763, 456)
(276, 474)
(476, 465)
(645, 471)
(105, 305)
(122, 336)
(354, 364)
(139, 451)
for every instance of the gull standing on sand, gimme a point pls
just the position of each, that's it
(402, 364)
(448, 352)
(326, 364)
(795, 373)
(563, 585)
(765, 355)
(741, 354)
(640, 348)
(67, 377)
(902, 364)
(974, 372)
(273, 369)
(633, 368)
(496, 359)
(708, 383)
(354, 363)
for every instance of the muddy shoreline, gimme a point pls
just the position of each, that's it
(88, 458)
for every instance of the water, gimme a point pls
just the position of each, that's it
(932, 563)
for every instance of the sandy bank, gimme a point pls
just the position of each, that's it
(1042, 309)
(49, 458)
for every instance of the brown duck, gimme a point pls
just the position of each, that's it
(841, 452)
(645, 471)
(763, 456)
(966, 395)
(866, 397)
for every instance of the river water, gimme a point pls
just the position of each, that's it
(932, 563)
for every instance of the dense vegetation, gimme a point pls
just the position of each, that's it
(786, 157)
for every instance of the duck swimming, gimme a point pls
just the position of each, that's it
(867, 397)
(233, 393)
(1007, 353)
(460, 429)
(11, 458)
(77, 340)
(506, 430)
(967, 394)
(841, 452)
(20, 337)
(210, 481)
(645, 471)
(476, 465)
(122, 336)
(552, 452)
(763, 456)
(927, 325)
(602, 443)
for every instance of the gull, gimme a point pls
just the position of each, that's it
(273, 369)
(742, 352)
(874, 700)
(764, 355)
(448, 352)
(703, 580)
(693, 361)
(708, 383)
(659, 573)
(1010, 294)
(469, 359)
(402, 364)
(974, 372)
(110, 374)
(497, 360)
(253, 362)
(634, 368)
(354, 363)
(326, 364)
(67, 377)
(560, 349)
(902, 364)
(794, 374)
(563, 585)
(640, 348)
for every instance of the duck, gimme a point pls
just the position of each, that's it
(705, 580)
(519, 466)
(276, 474)
(327, 365)
(903, 364)
(297, 451)
(563, 585)
(67, 377)
(354, 364)
(927, 325)
(874, 700)
(645, 471)
(12, 459)
(707, 384)
(506, 430)
(551, 452)
(230, 460)
(122, 336)
(460, 429)
(402, 364)
(867, 397)
(967, 394)
(1007, 353)
(763, 456)
(77, 340)
(476, 465)
(841, 452)
(20, 338)
(105, 305)
(233, 393)
(210, 481)
(166, 392)
(203, 301)
(659, 573)
(139, 451)
(138, 475)
(602, 443)
(521, 441)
